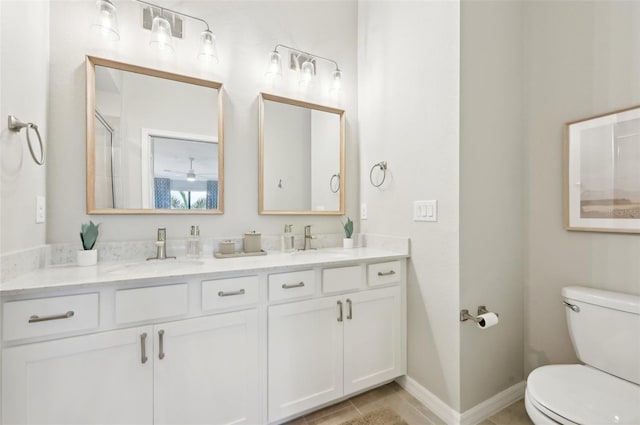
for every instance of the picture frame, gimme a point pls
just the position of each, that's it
(602, 173)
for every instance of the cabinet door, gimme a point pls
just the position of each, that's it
(372, 338)
(93, 379)
(206, 371)
(305, 355)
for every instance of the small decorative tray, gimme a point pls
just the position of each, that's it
(239, 254)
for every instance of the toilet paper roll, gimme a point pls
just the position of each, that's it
(487, 320)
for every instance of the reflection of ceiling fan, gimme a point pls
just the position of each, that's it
(191, 174)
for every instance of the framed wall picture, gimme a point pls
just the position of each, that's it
(602, 173)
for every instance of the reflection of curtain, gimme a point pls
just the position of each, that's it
(212, 194)
(162, 192)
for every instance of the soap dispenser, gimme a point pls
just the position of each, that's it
(287, 238)
(193, 242)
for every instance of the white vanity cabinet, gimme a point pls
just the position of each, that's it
(89, 379)
(254, 343)
(323, 349)
(207, 370)
(196, 370)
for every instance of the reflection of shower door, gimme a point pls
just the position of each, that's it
(105, 197)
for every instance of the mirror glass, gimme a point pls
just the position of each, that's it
(154, 141)
(302, 157)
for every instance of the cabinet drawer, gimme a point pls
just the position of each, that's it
(224, 293)
(384, 273)
(135, 305)
(341, 279)
(284, 286)
(49, 316)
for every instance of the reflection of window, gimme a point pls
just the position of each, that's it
(188, 200)
(182, 195)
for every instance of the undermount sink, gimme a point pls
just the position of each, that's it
(155, 265)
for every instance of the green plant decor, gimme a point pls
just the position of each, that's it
(348, 228)
(88, 235)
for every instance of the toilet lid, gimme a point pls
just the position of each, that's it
(584, 395)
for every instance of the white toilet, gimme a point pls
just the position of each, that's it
(605, 332)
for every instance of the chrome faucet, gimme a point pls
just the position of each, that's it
(161, 243)
(307, 237)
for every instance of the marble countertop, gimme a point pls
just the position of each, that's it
(67, 276)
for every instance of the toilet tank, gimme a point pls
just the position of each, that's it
(605, 329)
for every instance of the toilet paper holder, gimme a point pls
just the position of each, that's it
(464, 314)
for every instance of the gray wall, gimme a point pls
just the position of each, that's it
(492, 214)
(24, 62)
(409, 108)
(581, 59)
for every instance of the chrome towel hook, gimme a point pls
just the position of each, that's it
(16, 125)
(383, 167)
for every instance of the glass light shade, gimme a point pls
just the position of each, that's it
(208, 49)
(274, 65)
(306, 74)
(336, 82)
(191, 176)
(161, 34)
(106, 21)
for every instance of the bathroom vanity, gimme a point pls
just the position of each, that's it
(240, 340)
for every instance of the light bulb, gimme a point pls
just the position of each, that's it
(274, 65)
(161, 35)
(106, 21)
(336, 83)
(306, 74)
(208, 49)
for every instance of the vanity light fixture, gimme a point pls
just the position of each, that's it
(106, 21)
(305, 64)
(165, 24)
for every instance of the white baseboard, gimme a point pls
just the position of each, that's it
(430, 400)
(475, 415)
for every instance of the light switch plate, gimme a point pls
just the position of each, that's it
(40, 209)
(425, 210)
(363, 211)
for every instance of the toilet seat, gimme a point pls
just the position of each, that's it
(579, 394)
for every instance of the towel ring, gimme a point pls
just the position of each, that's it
(331, 183)
(16, 125)
(383, 167)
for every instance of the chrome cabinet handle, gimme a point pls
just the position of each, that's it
(161, 344)
(340, 308)
(36, 318)
(292, 285)
(571, 306)
(143, 348)
(350, 313)
(228, 294)
(389, 273)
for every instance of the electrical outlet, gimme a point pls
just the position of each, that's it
(40, 209)
(363, 211)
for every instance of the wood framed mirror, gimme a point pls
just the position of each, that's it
(301, 157)
(154, 141)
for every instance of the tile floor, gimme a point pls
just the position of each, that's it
(405, 405)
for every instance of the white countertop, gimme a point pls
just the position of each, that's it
(113, 272)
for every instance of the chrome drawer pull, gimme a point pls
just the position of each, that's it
(228, 294)
(161, 344)
(292, 285)
(350, 313)
(143, 348)
(36, 318)
(340, 307)
(389, 273)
